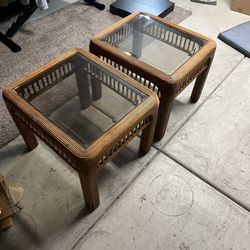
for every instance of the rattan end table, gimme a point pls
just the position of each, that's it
(85, 110)
(161, 55)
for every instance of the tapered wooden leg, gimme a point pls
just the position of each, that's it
(137, 44)
(166, 103)
(25, 131)
(96, 88)
(96, 84)
(147, 137)
(90, 189)
(27, 134)
(83, 83)
(199, 84)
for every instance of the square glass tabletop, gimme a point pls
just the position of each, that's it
(155, 43)
(81, 98)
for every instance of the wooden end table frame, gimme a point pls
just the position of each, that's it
(85, 161)
(167, 87)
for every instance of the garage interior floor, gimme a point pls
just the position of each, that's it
(191, 191)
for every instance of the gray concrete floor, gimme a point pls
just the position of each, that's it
(190, 192)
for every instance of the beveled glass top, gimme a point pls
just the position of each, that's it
(155, 43)
(81, 98)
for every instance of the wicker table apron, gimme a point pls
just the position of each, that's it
(161, 55)
(68, 127)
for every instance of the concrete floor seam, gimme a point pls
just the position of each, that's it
(107, 209)
(230, 197)
(195, 110)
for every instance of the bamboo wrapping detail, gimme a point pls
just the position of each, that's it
(133, 75)
(120, 35)
(191, 77)
(126, 138)
(58, 148)
(172, 37)
(34, 88)
(85, 161)
(130, 94)
(105, 158)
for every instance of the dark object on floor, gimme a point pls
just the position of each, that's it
(24, 15)
(22, 18)
(211, 2)
(126, 7)
(99, 6)
(11, 9)
(238, 38)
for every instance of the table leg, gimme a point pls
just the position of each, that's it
(27, 134)
(166, 103)
(96, 85)
(137, 44)
(137, 40)
(199, 84)
(82, 81)
(90, 189)
(96, 90)
(25, 131)
(147, 136)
